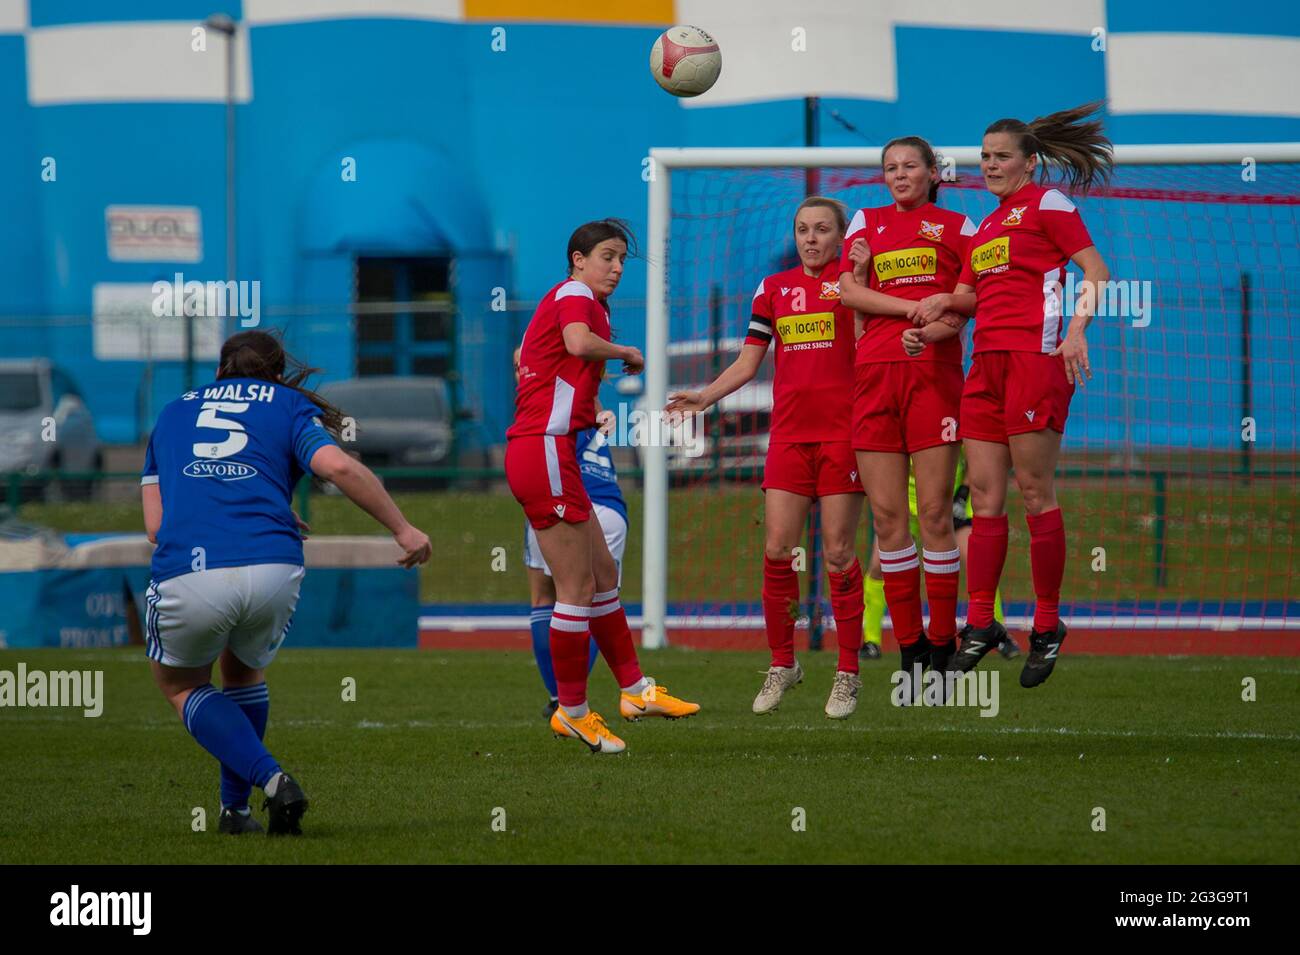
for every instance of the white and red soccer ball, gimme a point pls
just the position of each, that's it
(685, 61)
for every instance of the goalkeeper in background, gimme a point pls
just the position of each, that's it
(873, 584)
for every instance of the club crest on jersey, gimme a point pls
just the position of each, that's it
(931, 230)
(830, 290)
(1016, 214)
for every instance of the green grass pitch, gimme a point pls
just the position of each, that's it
(436, 743)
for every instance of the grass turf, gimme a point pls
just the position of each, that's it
(1222, 541)
(435, 742)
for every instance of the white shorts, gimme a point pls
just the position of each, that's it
(190, 619)
(611, 522)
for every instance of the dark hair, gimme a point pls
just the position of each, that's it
(1067, 141)
(927, 156)
(591, 234)
(261, 355)
(825, 202)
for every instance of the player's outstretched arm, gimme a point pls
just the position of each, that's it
(151, 501)
(362, 487)
(738, 374)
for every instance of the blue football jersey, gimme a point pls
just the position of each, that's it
(226, 459)
(597, 469)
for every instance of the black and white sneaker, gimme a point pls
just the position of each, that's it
(1043, 648)
(235, 822)
(1009, 648)
(869, 651)
(551, 706)
(974, 643)
(285, 807)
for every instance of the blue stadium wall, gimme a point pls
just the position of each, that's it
(488, 157)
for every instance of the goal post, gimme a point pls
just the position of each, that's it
(1218, 206)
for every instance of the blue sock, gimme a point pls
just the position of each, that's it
(593, 656)
(539, 622)
(255, 701)
(221, 728)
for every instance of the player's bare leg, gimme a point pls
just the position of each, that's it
(1034, 456)
(567, 549)
(935, 469)
(840, 514)
(785, 515)
(884, 477)
(987, 466)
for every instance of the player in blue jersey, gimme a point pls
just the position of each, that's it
(601, 483)
(221, 465)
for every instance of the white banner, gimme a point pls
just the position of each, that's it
(126, 329)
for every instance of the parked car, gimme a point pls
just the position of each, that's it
(45, 425)
(732, 436)
(401, 421)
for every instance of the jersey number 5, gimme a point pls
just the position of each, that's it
(237, 439)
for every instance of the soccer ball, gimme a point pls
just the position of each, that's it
(685, 61)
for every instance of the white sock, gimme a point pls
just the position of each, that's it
(272, 785)
(637, 688)
(575, 712)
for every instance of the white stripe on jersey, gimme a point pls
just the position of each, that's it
(1054, 201)
(967, 227)
(859, 221)
(573, 287)
(561, 408)
(552, 465)
(1051, 309)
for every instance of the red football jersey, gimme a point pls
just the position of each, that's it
(812, 387)
(557, 391)
(914, 254)
(1017, 266)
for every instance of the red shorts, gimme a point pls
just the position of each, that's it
(542, 471)
(1014, 392)
(905, 406)
(812, 469)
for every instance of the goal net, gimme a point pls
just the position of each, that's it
(1178, 472)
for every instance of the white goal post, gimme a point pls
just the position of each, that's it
(663, 163)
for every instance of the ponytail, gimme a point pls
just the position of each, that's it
(1068, 142)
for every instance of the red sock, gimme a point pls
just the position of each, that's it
(941, 570)
(569, 652)
(1047, 561)
(846, 604)
(609, 627)
(780, 608)
(986, 554)
(902, 573)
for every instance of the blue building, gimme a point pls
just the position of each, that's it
(441, 151)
